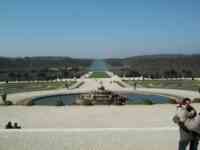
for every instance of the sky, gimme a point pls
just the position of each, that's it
(99, 28)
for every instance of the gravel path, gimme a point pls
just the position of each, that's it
(130, 116)
(82, 128)
(104, 140)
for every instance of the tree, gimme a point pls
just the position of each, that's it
(26, 76)
(171, 74)
(18, 76)
(12, 75)
(41, 75)
(199, 90)
(187, 73)
(156, 75)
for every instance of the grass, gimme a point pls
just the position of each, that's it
(99, 74)
(168, 84)
(39, 86)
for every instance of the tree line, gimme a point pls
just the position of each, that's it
(157, 66)
(42, 68)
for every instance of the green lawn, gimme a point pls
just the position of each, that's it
(168, 84)
(26, 87)
(99, 75)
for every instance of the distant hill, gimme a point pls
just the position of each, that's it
(32, 68)
(159, 65)
(41, 62)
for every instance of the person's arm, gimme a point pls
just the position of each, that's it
(182, 125)
(176, 120)
(191, 112)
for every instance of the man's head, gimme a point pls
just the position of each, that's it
(186, 101)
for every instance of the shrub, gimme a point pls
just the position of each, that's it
(196, 100)
(87, 102)
(172, 101)
(8, 103)
(60, 103)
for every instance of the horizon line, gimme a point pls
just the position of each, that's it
(156, 54)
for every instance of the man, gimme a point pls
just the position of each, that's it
(135, 85)
(9, 125)
(16, 126)
(186, 137)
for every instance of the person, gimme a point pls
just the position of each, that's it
(66, 85)
(16, 126)
(135, 85)
(187, 137)
(9, 125)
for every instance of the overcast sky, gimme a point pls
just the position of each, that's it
(99, 28)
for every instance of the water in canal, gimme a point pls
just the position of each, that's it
(98, 66)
